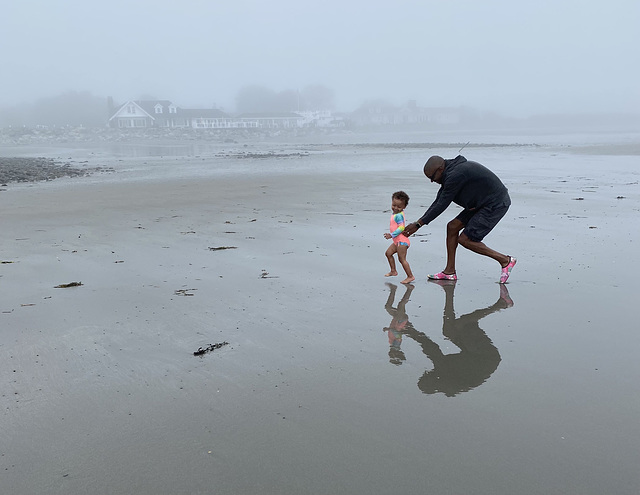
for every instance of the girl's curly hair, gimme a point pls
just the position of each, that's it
(402, 196)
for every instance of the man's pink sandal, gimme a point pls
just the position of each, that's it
(442, 276)
(506, 271)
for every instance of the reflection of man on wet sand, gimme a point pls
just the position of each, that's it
(478, 357)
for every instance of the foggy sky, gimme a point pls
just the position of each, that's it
(516, 58)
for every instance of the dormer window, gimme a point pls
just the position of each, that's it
(173, 109)
(158, 108)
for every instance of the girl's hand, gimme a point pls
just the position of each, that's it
(387, 235)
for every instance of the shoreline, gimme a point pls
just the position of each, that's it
(41, 163)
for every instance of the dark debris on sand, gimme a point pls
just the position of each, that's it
(210, 348)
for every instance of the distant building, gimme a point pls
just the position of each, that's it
(140, 114)
(374, 113)
(321, 118)
(276, 120)
(380, 113)
(205, 119)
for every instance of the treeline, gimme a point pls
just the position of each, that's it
(258, 99)
(69, 109)
(77, 109)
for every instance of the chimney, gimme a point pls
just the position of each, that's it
(110, 106)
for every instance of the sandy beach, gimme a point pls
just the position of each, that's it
(335, 379)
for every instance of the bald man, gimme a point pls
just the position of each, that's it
(485, 200)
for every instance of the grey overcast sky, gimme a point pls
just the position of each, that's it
(515, 58)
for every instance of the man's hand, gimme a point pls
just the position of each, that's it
(411, 229)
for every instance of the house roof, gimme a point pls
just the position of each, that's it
(150, 105)
(148, 111)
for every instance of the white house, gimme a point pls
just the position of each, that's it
(140, 114)
(164, 114)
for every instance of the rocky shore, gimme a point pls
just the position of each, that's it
(24, 169)
(20, 136)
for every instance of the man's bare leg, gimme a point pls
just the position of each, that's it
(483, 249)
(453, 233)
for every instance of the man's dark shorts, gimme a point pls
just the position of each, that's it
(478, 223)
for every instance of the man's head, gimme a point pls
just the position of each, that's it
(433, 168)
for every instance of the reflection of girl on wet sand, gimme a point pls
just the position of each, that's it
(478, 357)
(399, 322)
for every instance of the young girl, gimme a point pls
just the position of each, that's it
(399, 201)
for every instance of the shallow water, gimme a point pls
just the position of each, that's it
(328, 385)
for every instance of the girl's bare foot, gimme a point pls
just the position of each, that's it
(392, 273)
(408, 280)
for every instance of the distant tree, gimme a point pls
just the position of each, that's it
(286, 101)
(258, 99)
(16, 116)
(69, 109)
(379, 105)
(255, 99)
(317, 97)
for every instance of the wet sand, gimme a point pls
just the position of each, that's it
(334, 379)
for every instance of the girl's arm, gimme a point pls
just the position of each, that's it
(399, 219)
